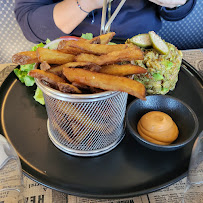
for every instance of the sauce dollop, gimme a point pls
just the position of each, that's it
(158, 127)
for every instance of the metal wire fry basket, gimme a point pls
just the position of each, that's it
(85, 124)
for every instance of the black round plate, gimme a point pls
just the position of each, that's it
(129, 170)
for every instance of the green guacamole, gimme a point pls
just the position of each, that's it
(163, 70)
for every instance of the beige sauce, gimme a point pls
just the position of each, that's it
(158, 127)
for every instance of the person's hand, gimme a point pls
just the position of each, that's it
(169, 3)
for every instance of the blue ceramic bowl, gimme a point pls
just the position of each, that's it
(184, 117)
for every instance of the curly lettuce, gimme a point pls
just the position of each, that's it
(39, 96)
(87, 36)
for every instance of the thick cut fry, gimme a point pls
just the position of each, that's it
(102, 39)
(95, 90)
(53, 56)
(64, 47)
(85, 65)
(26, 57)
(56, 70)
(80, 86)
(122, 70)
(95, 40)
(49, 78)
(45, 66)
(97, 49)
(129, 54)
(86, 89)
(105, 82)
(68, 88)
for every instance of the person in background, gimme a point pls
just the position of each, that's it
(51, 19)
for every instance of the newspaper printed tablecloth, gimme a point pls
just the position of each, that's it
(37, 193)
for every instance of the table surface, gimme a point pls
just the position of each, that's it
(35, 192)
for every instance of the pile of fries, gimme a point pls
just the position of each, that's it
(87, 66)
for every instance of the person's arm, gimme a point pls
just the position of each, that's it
(68, 14)
(177, 13)
(40, 20)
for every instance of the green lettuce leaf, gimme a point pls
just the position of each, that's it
(27, 67)
(24, 78)
(39, 96)
(36, 46)
(87, 36)
(22, 74)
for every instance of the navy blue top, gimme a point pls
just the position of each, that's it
(35, 18)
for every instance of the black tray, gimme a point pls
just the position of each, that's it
(128, 170)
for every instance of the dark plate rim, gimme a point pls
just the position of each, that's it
(112, 196)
